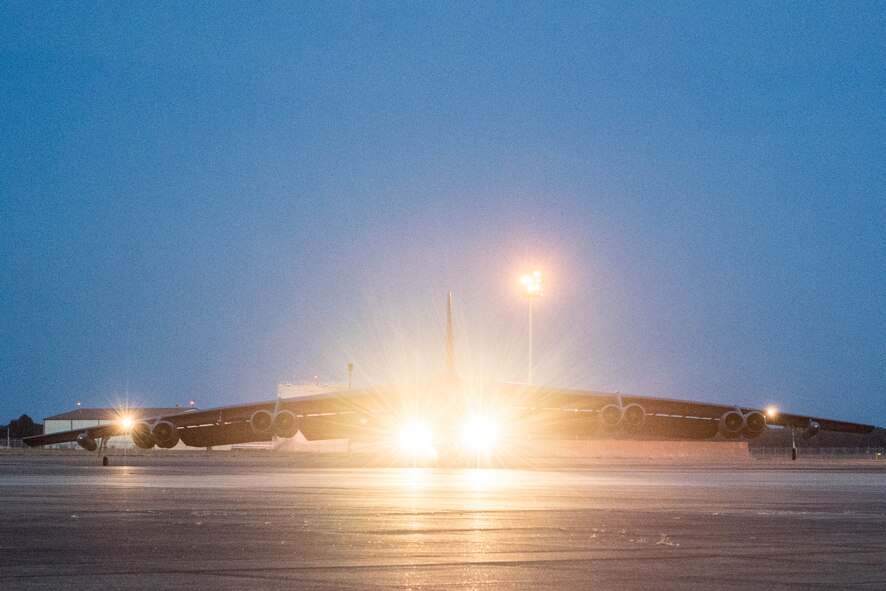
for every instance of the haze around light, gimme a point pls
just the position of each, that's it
(199, 201)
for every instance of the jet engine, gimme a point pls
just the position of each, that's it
(633, 416)
(86, 442)
(731, 424)
(285, 424)
(735, 423)
(610, 416)
(261, 422)
(811, 430)
(754, 424)
(141, 436)
(165, 434)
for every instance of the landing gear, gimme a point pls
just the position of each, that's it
(102, 446)
(793, 446)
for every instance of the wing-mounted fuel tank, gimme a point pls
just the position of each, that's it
(811, 430)
(87, 442)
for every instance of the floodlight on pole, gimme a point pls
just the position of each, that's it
(531, 289)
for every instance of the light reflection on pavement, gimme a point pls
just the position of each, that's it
(266, 523)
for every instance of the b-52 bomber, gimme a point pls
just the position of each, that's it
(449, 414)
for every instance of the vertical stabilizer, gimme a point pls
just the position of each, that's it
(450, 340)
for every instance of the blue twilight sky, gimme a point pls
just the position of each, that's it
(201, 200)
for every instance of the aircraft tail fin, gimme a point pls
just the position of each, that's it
(450, 340)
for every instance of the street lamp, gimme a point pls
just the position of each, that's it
(531, 289)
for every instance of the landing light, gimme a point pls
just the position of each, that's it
(479, 433)
(771, 412)
(126, 423)
(416, 437)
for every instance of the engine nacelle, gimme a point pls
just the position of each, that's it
(262, 421)
(811, 430)
(87, 442)
(611, 416)
(633, 416)
(731, 424)
(165, 434)
(141, 436)
(284, 424)
(754, 424)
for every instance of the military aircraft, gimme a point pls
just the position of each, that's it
(449, 414)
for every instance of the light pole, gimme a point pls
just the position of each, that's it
(531, 289)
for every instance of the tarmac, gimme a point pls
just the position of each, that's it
(216, 520)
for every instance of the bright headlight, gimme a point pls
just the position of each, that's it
(126, 423)
(415, 437)
(479, 433)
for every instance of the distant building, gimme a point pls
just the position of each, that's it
(82, 418)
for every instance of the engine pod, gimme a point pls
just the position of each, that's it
(261, 421)
(165, 434)
(285, 424)
(731, 424)
(610, 416)
(754, 424)
(633, 417)
(141, 436)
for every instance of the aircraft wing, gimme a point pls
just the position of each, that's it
(102, 431)
(577, 413)
(330, 415)
(523, 410)
(526, 410)
(98, 432)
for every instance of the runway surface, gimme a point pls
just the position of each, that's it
(217, 521)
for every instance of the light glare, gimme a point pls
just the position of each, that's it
(416, 437)
(479, 433)
(531, 283)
